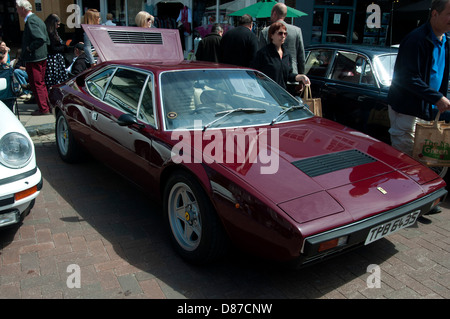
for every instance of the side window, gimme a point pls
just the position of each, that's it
(125, 90)
(345, 67)
(318, 62)
(367, 76)
(146, 110)
(97, 84)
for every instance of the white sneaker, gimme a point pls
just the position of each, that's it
(25, 97)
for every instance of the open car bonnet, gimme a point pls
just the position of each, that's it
(133, 43)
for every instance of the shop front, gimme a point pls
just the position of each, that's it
(343, 21)
(352, 21)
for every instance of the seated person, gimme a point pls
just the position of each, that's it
(80, 62)
(21, 75)
(6, 96)
(4, 47)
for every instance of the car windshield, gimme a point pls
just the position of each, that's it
(206, 98)
(384, 67)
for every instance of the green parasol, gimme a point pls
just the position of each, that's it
(263, 9)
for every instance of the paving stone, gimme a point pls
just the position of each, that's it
(79, 218)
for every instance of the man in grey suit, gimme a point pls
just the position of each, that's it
(294, 41)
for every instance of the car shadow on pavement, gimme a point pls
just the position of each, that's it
(113, 230)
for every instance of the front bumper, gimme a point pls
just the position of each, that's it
(17, 195)
(357, 232)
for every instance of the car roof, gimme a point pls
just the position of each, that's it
(365, 49)
(134, 43)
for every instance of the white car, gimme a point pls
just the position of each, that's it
(20, 178)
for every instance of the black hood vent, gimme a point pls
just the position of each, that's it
(328, 163)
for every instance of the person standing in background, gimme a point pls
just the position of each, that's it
(109, 18)
(92, 16)
(144, 19)
(274, 60)
(239, 45)
(294, 40)
(56, 64)
(420, 79)
(209, 47)
(293, 43)
(34, 53)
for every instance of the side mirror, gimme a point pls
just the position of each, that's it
(128, 119)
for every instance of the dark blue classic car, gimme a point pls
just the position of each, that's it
(353, 82)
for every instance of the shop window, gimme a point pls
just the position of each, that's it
(334, 2)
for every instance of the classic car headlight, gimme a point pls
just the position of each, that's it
(15, 150)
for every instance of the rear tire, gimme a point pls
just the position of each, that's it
(196, 231)
(67, 147)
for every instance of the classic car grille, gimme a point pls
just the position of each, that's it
(332, 162)
(131, 37)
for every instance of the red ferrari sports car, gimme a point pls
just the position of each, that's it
(233, 157)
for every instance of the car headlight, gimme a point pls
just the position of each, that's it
(15, 150)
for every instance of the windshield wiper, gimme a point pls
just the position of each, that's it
(226, 113)
(282, 113)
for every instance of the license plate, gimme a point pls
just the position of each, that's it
(392, 226)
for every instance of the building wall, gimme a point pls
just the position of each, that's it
(48, 7)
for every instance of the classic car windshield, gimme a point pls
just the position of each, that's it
(384, 66)
(199, 98)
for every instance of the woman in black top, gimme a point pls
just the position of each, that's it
(56, 64)
(274, 61)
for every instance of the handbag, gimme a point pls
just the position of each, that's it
(432, 143)
(314, 104)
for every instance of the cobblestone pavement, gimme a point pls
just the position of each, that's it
(90, 217)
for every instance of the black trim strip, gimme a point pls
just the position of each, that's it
(18, 177)
(7, 200)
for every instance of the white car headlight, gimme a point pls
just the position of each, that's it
(15, 150)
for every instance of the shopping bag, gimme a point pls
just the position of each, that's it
(314, 104)
(432, 143)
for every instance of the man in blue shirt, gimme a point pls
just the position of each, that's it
(421, 75)
(437, 71)
(420, 81)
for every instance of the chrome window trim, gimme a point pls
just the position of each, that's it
(149, 75)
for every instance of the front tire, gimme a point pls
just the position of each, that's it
(440, 170)
(196, 231)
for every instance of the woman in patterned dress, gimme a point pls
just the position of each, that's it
(56, 64)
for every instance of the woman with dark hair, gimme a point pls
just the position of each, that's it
(274, 61)
(56, 66)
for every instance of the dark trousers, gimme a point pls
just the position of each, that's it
(36, 78)
(444, 116)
